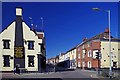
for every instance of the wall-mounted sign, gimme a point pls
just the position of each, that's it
(19, 52)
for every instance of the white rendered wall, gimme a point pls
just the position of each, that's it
(8, 33)
(105, 53)
(30, 35)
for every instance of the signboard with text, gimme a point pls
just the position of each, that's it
(19, 52)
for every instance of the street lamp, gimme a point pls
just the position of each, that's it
(108, 12)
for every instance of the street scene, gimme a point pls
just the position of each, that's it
(60, 40)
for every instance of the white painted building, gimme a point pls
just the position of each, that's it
(115, 51)
(61, 57)
(22, 46)
(73, 57)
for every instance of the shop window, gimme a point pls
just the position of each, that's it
(30, 61)
(6, 61)
(31, 45)
(6, 44)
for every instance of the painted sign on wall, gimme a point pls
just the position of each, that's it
(19, 52)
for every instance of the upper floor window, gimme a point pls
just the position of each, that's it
(79, 49)
(78, 56)
(31, 45)
(6, 61)
(89, 44)
(83, 46)
(6, 44)
(89, 53)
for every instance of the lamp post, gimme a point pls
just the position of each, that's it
(108, 12)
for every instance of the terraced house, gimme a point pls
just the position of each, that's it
(86, 52)
(22, 46)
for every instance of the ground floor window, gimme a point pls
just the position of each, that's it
(79, 64)
(6, 60)
(89, 64)
(31, 61)
(83, 64)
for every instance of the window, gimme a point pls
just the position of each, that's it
(78, 56)
(113, 48)
(72, 56)
(79, 49)
(89, 44)
(83, 46)
(83, 53)
(83, 64)
(6, 61)
(89, 64)
(6, 44)
(103, 48)
(31, 45)
(89, 53)
(79, 64)
(30, 61)
(104, 60)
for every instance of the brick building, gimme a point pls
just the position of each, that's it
(86, 51)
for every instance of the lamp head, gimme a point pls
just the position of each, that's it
(96, 9)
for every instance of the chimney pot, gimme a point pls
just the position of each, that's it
(107, 30)
(18, 11)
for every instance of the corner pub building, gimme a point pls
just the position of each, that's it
(22, 46)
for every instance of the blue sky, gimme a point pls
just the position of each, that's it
(65, 24)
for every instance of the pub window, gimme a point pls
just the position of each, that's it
(6, 61)
(31, 45)
(6, 44)
(30, 61)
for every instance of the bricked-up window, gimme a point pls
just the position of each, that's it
(6, 44)
(31, 45)
(31, 61)
(6, 61)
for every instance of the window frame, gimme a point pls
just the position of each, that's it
(31, 61)
(6, 61)
(6, 41)
(29, 44)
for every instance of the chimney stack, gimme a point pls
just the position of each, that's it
(18, 11)
(107, 30)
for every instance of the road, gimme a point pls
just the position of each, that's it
(60, 75)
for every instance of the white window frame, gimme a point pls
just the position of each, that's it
(89, 64)
(79, 56)
(90, 53)
(79, 65)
